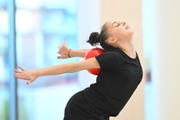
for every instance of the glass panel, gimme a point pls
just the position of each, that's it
(3, 4)
(4, 74)
(41, 27)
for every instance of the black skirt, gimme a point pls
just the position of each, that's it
(78, 109)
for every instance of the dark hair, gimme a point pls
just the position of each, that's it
(101, 38)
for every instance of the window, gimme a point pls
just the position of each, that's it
(41, 26)
(4, 64)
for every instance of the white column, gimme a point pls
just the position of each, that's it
(166, 60)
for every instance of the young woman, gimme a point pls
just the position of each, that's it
(119, 76)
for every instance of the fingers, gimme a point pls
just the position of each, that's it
(59, 57)
(64, 41)
(24, 77)
(17, 71)
(20, 68)
(20, 75)
(63, 44)
(16, 75)
(62, 57)
(24, 74)
(63, 50)
(29, 81)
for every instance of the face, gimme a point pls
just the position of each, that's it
(119, 30)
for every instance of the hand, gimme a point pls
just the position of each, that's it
(63, 51)
(29, 75)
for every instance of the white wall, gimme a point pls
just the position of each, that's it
(131, 12)
(166, 60)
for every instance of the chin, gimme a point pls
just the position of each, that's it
(131, 32)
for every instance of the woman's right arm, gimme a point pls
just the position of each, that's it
(66, 52)
(32, 75)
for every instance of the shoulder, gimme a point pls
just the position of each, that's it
(110, 58)
(114, 54)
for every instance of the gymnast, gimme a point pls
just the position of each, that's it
(120, 73)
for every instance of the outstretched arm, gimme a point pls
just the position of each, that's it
(66, 52)
(32, 75)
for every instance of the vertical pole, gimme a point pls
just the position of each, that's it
(12, 60)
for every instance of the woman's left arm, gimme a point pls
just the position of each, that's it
(32, 75)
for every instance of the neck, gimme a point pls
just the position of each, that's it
(129, 49)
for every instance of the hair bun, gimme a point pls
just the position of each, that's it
(93, 38)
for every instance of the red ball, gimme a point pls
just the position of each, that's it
(93, 53)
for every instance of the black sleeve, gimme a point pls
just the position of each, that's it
(108, 59)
